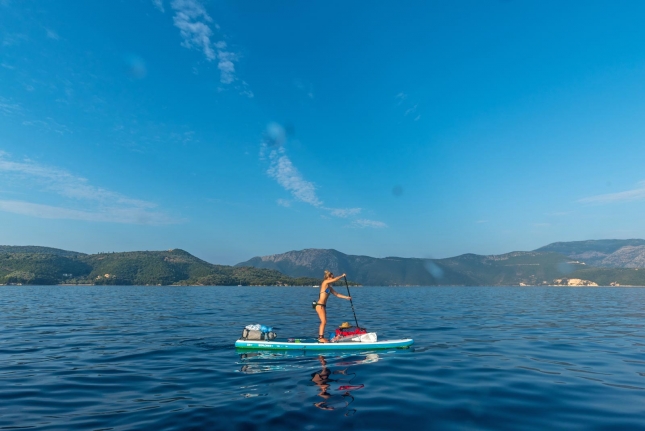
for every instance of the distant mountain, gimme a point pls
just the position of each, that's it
(612, 253)
(531, 268)
(172, 267)
(604, 262)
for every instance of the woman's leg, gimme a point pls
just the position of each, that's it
(322, 314)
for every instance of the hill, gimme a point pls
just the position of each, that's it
(172, 267)
(610, 253)
(516, 268)
(38, 250)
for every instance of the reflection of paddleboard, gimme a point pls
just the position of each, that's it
(312, 344)
(350, 387)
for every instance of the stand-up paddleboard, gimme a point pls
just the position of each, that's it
(312, 344)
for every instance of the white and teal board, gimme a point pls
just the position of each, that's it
(315, 345)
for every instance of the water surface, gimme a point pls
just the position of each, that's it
(162, 358)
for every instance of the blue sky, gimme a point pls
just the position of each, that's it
(236, 129)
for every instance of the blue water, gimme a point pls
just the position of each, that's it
(162, 358)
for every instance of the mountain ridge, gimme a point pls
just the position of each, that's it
(170, 267)
(616, 262)
(541, 266)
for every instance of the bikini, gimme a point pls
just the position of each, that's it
(314, 304)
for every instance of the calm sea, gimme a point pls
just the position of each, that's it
(162, 358)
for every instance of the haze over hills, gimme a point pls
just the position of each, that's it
(543, 266)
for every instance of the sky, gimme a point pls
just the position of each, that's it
(235, 129)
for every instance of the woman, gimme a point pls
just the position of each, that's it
(321, 305)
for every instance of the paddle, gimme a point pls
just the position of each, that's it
(351, 302)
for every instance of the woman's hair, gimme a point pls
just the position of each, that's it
(327, 274)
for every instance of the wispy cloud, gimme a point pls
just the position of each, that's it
(159, 5)
(48, 124)
(52, 34)
(225, 63)
(410, 110)
(365, 223)
(305, 87)
(284, 203)
(636, 194)
(196, 29)
(289, 177)
(110, 215)
(282, 169)
(13, 39)
(84, 201)
(192, 20)
(9, 108)
(344, 212)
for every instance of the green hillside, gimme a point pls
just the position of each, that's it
(607, 276)
(172, 267)
(36, 268)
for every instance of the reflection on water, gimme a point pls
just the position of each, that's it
(323, 379)
(335, 378)
(162, 358)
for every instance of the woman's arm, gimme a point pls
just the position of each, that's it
(339, 295)
(334, 280)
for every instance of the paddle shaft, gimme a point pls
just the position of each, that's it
(351, 302)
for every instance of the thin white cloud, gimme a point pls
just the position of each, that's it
(97, 204)
(282, 170)
(305, 87)
(635, 194)
(284, 203)
(159, 5)
(13, 39)
(110, 215)
(196, 29)
(481, 221)
(225, 63)
(246, 91)
(401, 97)
(9, 108)
(288, 176)
(344, 212)
(48, 124)
(192, 21)
(365, 223)
(410, 110)
(52, 34)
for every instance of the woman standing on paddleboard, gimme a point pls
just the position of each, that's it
(321, 305)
